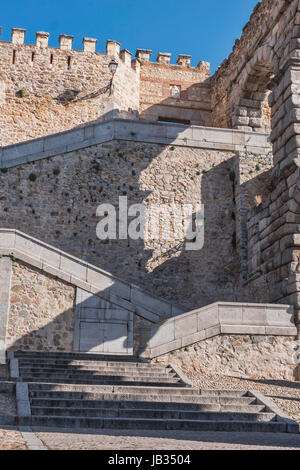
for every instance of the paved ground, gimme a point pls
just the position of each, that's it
(63, 439)
(172, 440)
(11, 439)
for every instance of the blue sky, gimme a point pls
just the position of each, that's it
(206, 30)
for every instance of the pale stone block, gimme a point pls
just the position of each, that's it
(14, 368)
(276, 315)
(212, 331)
(165, 348)
(243, 330)
(176, 132)
(99, 280)
(149, 302)
(26, 258)
(60, 141)
(65, 42)
(79, 283)
(42, 39)
(103, 131)
(207, 318)
(113, 48)
(126, 57)
(254, 315)
(143, 54)
(89, 44)
(185, 326)
(184, 60)
(163, 58)
(50, 257)
(231, 314)
(281, 331)
(194, 338)
(28, 246)
(163, 334)
(57, 273)
(7, 238)
(22, 397)
(22, 151)
(18, 36)
(73, 267)
(153, 317)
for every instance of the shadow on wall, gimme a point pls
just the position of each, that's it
(94, 324)
(153, 174)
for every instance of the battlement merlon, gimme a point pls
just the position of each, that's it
(164, 58)
(142, 56)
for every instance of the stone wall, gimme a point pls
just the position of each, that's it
(48, 90)
(45, 90)
(256, 357)
(190, 87)
(41, 315)
(56, 199)
(240, 85)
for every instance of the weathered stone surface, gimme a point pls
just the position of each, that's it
(41, 315)
(265, 357)
(69, 187)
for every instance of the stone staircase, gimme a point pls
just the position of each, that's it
(122, 392)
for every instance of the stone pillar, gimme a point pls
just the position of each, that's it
(89, 44)
(184, 60)
(65, 42)
(5, 280)
(163, 58)
(18, 36)
(125, 55)
(113, 48)
(143, 54)
(280, 231)
(42, 39)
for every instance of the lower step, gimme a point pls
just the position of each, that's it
(145, 397)
(145, 405)
(117, 381)
(125, 423)
(152, 414)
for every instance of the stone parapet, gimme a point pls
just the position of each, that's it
(84, 275)
(137, 131)
(213, 320)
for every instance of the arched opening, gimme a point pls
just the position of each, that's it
(253, 112)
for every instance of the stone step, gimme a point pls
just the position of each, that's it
(70, 403)
(152, 414)
(93, 364)
(226, 400)
(110, 380)
(26, 371)
(77, 356)
(97, 367)
(161, 424)
(83, 389)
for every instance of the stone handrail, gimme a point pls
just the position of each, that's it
(85, 276)
(215, 319)
(140, 131)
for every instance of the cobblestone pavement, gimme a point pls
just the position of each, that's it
(170, 440)
(11, 439)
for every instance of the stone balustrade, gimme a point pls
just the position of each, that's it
(139, 131)
(218, 318)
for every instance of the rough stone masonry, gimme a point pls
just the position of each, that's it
(244, 169)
